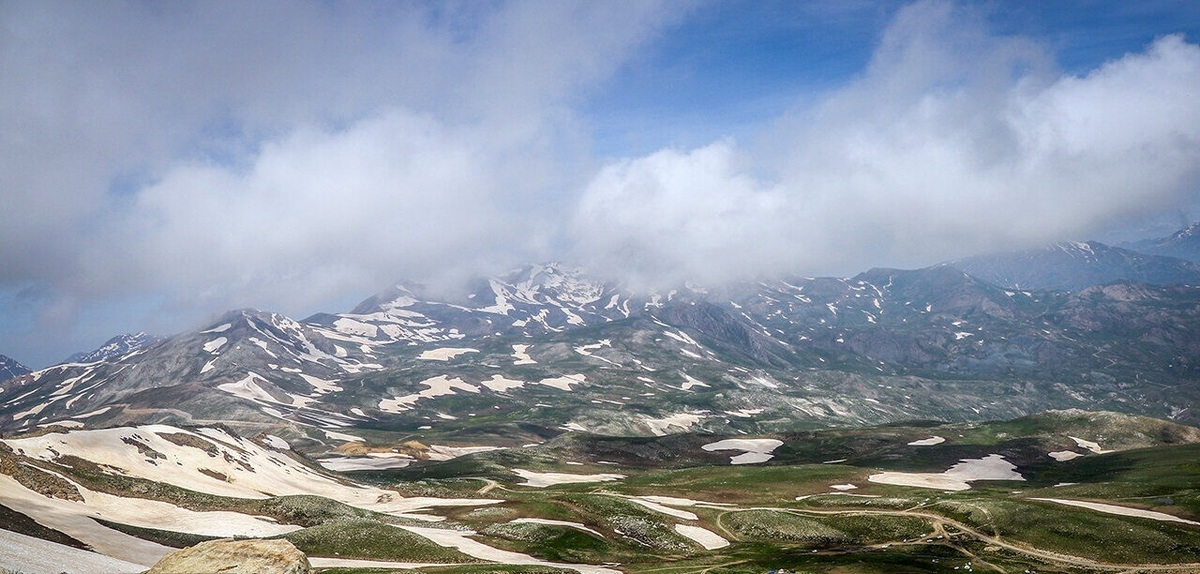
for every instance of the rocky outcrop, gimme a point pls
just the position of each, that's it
(227, 556)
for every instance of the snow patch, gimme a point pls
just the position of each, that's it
(564, 382)
(544, 479)
(708, 539)
(499, 383)
(445, 353)
(351, 463)
(755, 450)
(521, 354)
(958, 477)
(1121, 510)
(681, 422)
(215, 344)
(928, 441)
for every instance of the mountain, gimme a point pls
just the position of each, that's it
(115, 348)
(10, 368)
(1072, 266)
(1184, 244)
(545, 349)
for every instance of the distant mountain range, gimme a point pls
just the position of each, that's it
(1184, 244)
(547, 348)
(1071, 266)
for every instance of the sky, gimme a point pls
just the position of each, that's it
(161, 163)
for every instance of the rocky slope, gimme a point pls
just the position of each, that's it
(10, 368)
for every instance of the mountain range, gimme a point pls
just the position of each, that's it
(545, 348)
(1184, 244)
(440, 406)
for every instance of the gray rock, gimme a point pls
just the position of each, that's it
(228, 556)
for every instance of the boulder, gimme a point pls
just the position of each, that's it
(252, 556)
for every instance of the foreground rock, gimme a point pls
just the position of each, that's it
(235, 557)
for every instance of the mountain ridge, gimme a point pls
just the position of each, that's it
(883, 346)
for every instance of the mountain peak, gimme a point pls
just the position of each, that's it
(1076, 265)
(1184, 244)
(10, 368)
(115, 348)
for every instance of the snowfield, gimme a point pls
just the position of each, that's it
(30, 555)
(544, 479)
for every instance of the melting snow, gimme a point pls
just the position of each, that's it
(444, 354)
(343, 436)
(574, 525)
(1092, 446)
(352, 327)
(928, 441)
(499, 383)
(690, 381)
(1064, 455)
(564, 382)
(276, 442)
(544, 479)
(1121, 510)
(744, 413)
(991, 467)
(521, 354)
(348, 463)
(215, 344)
(681, 421)
(708, 539)
(437, 386)
(755, 449)
(439, 452)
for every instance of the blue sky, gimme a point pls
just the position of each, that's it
(160, 164)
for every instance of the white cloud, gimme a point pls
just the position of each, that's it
(225, 154)
(952, 142)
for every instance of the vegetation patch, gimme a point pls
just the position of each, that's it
(190, 440)
(368, 539)
(164, 537)
(822, 531)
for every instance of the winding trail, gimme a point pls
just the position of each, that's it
(942, 521)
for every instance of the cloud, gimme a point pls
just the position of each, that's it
(321, 211)
(952, 142)
(223, 154)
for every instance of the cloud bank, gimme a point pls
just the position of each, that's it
(214, 155)
(951, 142)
